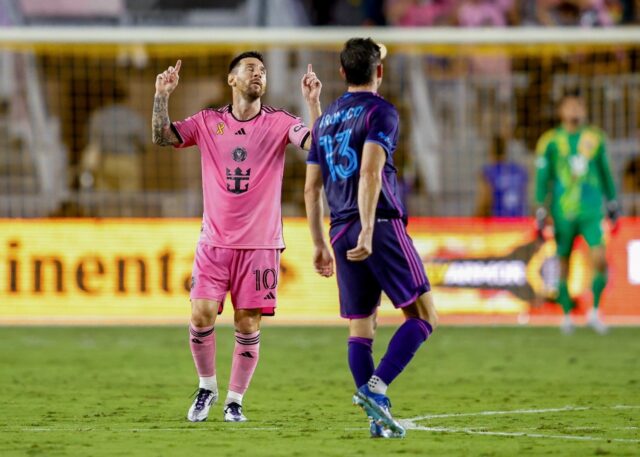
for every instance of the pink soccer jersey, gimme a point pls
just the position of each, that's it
(242, 170)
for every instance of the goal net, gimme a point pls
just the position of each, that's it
(76, 103)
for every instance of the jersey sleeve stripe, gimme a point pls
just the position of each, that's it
(304, 139)
(176, 133)
(366, 121)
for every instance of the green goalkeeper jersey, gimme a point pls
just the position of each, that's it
(573, 168)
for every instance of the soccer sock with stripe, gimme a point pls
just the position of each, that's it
(564, 298)
(202, 341)
(360, 359)
(597, 286)
(245, 359)
(402, 347)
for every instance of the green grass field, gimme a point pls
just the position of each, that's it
(469, 391)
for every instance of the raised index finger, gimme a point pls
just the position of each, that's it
(309, 69)
(178, 65)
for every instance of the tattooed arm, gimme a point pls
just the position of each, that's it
(166, 82)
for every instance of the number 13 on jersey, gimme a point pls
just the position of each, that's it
(341, 159)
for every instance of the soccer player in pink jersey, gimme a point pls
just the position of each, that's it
(242, 146)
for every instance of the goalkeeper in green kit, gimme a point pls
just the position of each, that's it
(573, 181)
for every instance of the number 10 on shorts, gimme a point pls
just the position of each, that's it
(266, 279)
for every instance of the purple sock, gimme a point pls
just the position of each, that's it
(402, 347)
(360, 359)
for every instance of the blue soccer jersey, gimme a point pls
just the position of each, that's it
(339, 136)
(508, 183)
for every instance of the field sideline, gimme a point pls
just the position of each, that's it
(80, 391)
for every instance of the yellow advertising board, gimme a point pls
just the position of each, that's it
(130, 271)
(133, 271)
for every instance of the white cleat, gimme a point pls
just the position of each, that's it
(593, 321)
(199, 410)
(233, 413)
(567, 327)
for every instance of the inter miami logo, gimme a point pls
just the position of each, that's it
(238, 178)
(239, 154)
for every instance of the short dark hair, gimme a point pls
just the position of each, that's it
(359, 59)
(571, 93)
(499, 146)
(236, 60)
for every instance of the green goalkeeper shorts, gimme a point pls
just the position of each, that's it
(566, 232)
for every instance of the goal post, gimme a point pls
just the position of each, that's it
(456, 90)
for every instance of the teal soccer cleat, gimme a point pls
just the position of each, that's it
(377, 408)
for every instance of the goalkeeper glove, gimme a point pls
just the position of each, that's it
(613, 213)
(541, 222)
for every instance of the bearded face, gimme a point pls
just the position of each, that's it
(249, 78)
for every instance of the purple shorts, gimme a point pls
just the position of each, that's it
(394, 268)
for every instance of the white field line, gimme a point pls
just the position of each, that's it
(410, 424)
(470, 431)
(592, 428)
(519, 411)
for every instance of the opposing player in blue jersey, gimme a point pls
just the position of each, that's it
(352, 157)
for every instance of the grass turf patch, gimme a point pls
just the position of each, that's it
(125, 391)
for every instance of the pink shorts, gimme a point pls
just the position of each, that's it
(251, 275)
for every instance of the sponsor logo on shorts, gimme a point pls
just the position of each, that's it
(270, 296)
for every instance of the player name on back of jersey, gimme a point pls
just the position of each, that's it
(341, 116)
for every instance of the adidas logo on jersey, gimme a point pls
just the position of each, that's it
(240, 132)
(270, 296)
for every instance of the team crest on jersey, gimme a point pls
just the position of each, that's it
(220, 128)
(588, 144)
(385, 139)
(238, 181)
(239, 154)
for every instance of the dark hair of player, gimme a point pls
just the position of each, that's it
(236, 60)
(571, 93)
(359, 60)
(499, 147)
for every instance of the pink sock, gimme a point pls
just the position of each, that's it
(245, 360)
(202, 341)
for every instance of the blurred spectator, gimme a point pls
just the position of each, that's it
(631, 187)
(36, 11)
(487, 13)
(8, 14)
(415, 13)
(117, 140)
(337, 12)
(503, 185)
(586, 13)
(374, 12)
